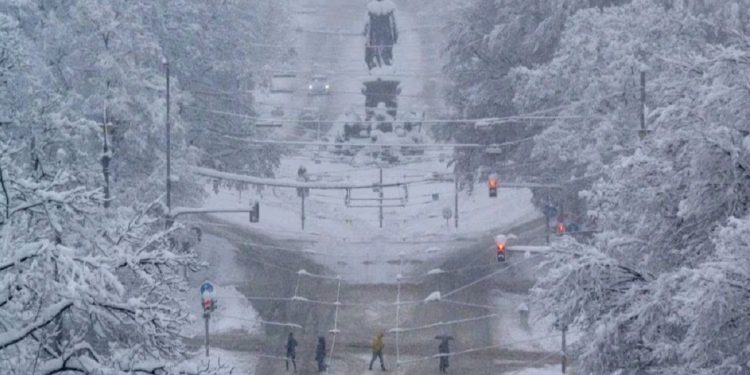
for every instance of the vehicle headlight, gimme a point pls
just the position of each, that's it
(328, 87)
(310, 87)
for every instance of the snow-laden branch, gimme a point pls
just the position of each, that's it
(50, 313)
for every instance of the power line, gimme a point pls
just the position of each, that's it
(460, 121)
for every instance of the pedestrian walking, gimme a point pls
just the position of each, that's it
(291, 351)
(320, 354)
(377, 350)
(444, 350)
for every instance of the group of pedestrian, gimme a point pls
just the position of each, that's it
(291, 353)
(378, 344)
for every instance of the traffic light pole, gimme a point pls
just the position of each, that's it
(455, 205)
(302, 211)
(381, 198)
(564, 356)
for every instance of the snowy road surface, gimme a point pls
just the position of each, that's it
(341, 273)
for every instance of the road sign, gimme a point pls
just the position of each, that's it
(550, 211)
(207, 287)
(573, 227)
(447, 213)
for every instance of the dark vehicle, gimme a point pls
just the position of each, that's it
(318, 85)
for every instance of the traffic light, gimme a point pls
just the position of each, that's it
(255, 213)
(492, 184)
(560, 229)
(500, 251)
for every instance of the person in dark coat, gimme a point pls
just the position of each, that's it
(291, 351)
(444, 350)
(320, 354)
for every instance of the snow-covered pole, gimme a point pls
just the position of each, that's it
(168, 126)
(206, 316)
(398, 308)
(380, 215)
(106, 159)
(302, 210)
(643, 69)
(455, 205)
(563, 355)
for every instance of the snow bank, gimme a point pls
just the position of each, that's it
(234, 312)
(548, 370)
(508, 326)
(236, 362)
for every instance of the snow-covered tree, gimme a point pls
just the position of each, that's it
(86, 288)
(218, 52)
(663, 276)
(486, 40)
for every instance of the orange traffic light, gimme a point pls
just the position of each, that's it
(492, 184)
(500, 247)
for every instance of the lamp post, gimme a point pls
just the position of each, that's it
(168, 125)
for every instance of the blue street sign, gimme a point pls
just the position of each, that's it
(572, 228)
(550, 211)
(207, 287)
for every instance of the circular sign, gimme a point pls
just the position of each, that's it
(550, 211)
(447, 213)
(207, 287)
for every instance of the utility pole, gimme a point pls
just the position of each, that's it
(563, 355)
(643, 131)
(169, 153)
(106, 159)
(302, 211)
(381, 197)
(547, 217)
(455, 205)
(207, 316)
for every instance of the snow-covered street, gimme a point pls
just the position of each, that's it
(354, 186)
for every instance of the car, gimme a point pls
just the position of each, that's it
(318, 85)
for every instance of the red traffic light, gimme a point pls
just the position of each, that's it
(207, 304)
(560, 229)
(492, 184)
(500, 247)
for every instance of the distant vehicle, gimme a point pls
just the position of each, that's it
(318, 85)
